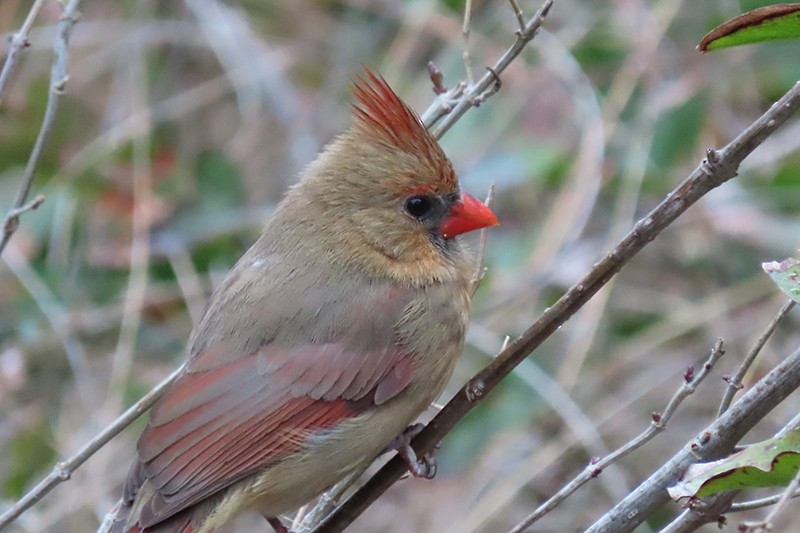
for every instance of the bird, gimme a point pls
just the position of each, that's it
(326, 340)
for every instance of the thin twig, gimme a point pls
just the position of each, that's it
(717, 440)
(793, 424)
(63, 470)
(759, 503)
(19, 41)
(480, 271)
(658, 424)
(719, 167)
(449, 107)
(465, 34)
(12, 218)
(780, 506)
(518, 13)
(735, 383)
(698, 513)
(58, 81)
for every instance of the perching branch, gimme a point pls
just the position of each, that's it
(58, 81)
(719, 167)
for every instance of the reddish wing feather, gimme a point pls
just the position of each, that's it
(257, 410)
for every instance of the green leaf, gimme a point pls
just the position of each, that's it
(786, 276)
(769, 23)
(770, 463)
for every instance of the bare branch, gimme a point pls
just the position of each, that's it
(465, 34)
(718, 439)
(449, 107)
(58, 80)
(659, 423)
(735, 383)
(477, 276)
(19, 41)
(701, 512)
(62, 471)
(518, 13)
(759, 503)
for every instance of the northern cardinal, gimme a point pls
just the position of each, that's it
(327, 339)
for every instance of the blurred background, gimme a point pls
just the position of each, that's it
(185, 122)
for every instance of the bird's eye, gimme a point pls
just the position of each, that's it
(418, 206)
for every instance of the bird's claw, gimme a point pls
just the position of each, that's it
(424, 466)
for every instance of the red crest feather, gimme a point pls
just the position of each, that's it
(380, 112)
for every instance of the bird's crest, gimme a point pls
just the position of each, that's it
(380, 112)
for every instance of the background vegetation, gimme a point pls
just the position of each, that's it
(182, 127)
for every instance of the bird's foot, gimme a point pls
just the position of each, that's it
(424, 466)
(277, 525)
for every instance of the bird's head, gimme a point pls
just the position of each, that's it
(388, 184)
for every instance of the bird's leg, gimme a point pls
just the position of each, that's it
(276, 524)
(419, 467)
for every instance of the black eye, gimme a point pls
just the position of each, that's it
(418, 206)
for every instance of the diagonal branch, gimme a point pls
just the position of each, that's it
(658, 425)
(715, 441)
(63, 470)
(719, 167)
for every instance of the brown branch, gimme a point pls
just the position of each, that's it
(658, 425)
(719, 167)
(58, 81)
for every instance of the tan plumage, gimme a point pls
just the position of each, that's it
(329, 336)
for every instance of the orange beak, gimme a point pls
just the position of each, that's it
(467, 214)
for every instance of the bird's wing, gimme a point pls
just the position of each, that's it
(228, 417)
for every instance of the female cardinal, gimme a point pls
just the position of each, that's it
(330, 335)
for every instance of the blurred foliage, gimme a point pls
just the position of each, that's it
(181, 134)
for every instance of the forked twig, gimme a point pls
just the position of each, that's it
(658, 424)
